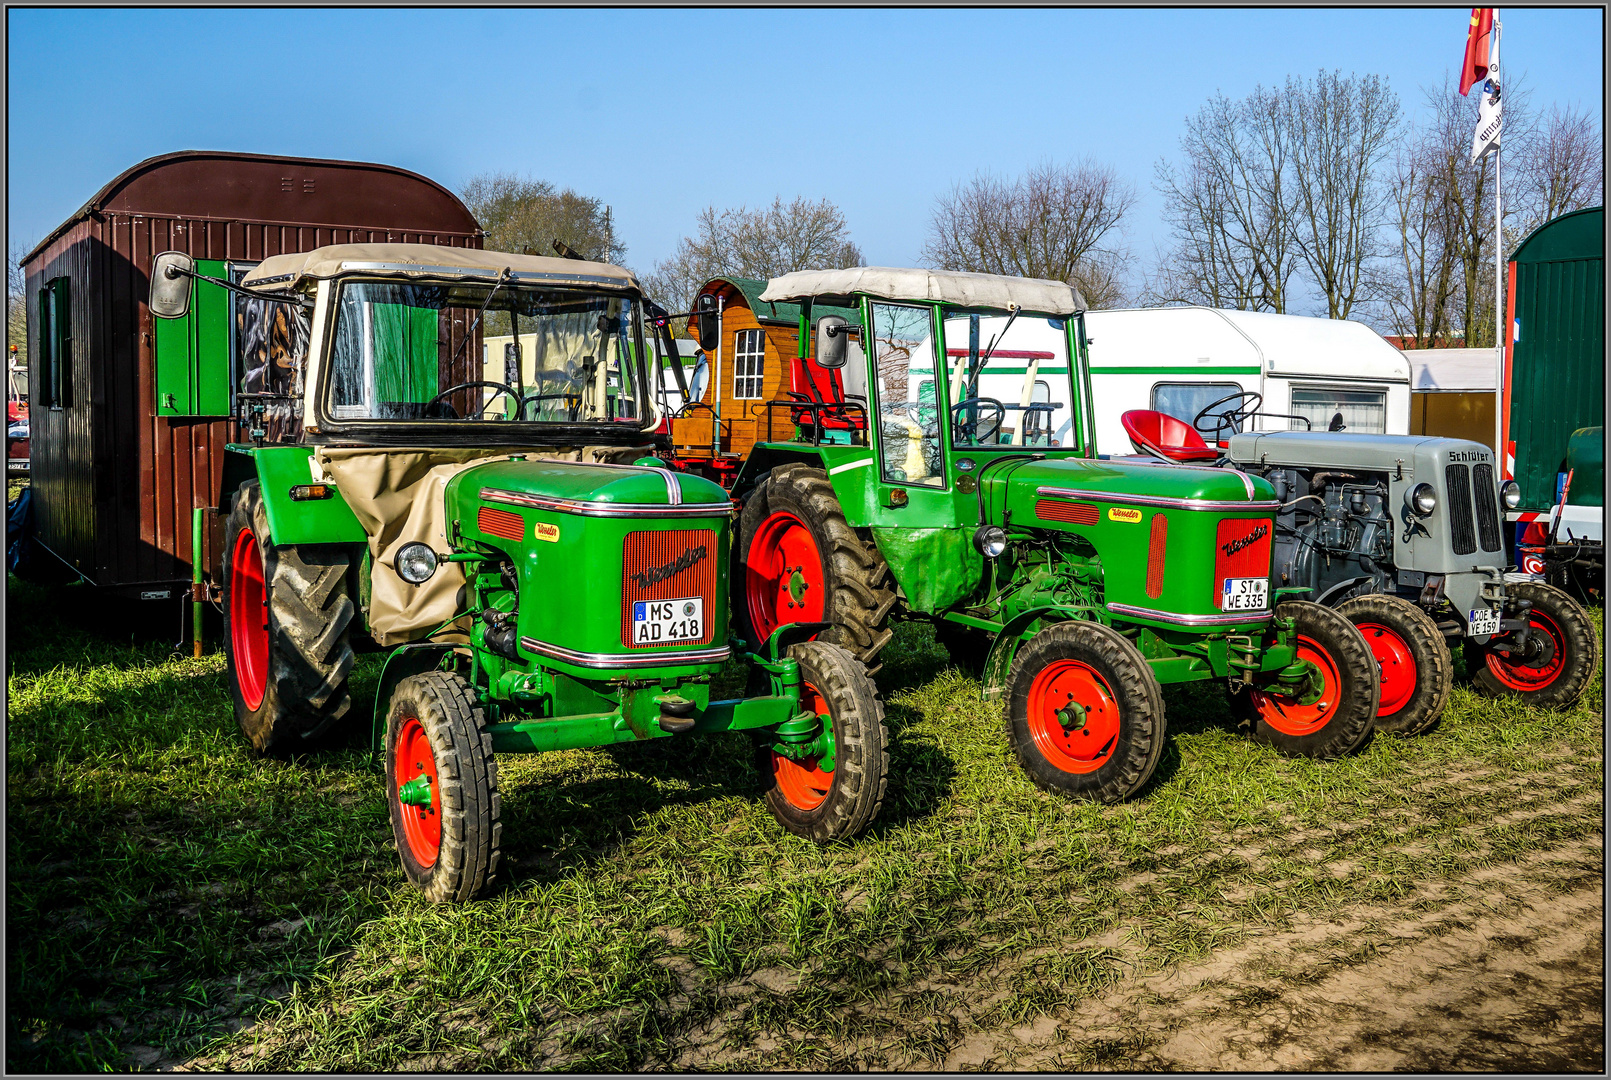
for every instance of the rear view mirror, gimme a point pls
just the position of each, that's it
(706, 329)
(171, 274)
(833, 341)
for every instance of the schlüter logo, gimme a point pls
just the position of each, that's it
(545, 531)
(1467, 455)
(656, 574)
(1120, 513)
(1237, 545)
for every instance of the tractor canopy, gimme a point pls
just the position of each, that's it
(948, 287)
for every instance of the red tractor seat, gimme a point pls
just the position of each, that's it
(1159, 433)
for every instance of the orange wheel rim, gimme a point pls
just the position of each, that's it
(1073, 716)
(801, 783)
(1291, 714)
(1518, 676)
(248, 620)
(422, 825)
(784, 581)
(1397, 665)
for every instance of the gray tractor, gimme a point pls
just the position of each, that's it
(1404, 535)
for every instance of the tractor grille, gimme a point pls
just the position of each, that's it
(1073, 513)
(1462, 534)
(495, 522)
(1241, 549)
(1482, 478)
(672, 564)
(1157, 547)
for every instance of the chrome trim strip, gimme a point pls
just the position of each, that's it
(1223, 619)
(469, 271)
(617, 660)
(604, 509)
(1157, 500)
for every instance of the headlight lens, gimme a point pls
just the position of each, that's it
(416, 563)
(991, 540)
(1510, 494)
(1423, 500)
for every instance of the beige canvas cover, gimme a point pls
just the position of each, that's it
(942, 286)
(397, 495)
(430, 261)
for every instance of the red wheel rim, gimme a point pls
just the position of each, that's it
(1073, 741)
(1517, 675)
(248, 619)
(422, 825)
(1397, 664)
(783, 575)
(801, 783)
(1293, 715)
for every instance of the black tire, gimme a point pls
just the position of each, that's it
(1343, 716)
(855, 788)
(1412, 661)
(1103, 757)
(303, 675)
(857, 591)
(966, 646)
(437, 710)
(1536, 679)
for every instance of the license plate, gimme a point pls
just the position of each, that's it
(657, 622)
(1245, 594)
(1482, 621)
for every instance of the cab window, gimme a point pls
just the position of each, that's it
(908, 426)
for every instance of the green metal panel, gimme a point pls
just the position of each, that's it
(1585, 458)
(313, 521)
(193, 352)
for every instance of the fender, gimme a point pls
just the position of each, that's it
(1013, 634)
(1341, 586)
(278, 469)
(412, 659)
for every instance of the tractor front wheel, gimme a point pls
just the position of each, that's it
(442, 787)
(841, 802)
(1553, 670)
(287, 614)
(1334, 711)
(1411, 658)
(1085, 715)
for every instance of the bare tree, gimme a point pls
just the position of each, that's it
(524, 215)
(1229, 208)
(1421, 284)
(1561, 170)
(16, 303)
(1055, 222)
(798, 235)
(1340, 130)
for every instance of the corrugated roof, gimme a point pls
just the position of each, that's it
(779, 313)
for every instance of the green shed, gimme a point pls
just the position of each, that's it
(1555, 356)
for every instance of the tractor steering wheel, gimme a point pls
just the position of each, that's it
(1231, 418)
(503, 388)
(978, 431)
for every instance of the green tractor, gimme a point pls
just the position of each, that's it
(1078, 585)
(541, 579)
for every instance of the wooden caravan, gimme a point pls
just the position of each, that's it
(754, 385)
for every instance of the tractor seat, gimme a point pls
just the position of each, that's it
(1159, 433)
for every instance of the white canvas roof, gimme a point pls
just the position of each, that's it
(1183, 337)
(1452, 369)
(943, 286)
(430, 261)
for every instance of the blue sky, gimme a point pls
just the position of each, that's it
(662, 113)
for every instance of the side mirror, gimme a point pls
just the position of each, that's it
(171, 274)
(706, 328)
(833, 341)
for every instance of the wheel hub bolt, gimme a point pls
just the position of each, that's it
(1071, 716)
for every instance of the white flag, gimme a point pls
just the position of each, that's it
(1486, 137)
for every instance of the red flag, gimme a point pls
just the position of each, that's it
(1476, 65)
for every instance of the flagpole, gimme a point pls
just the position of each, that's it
(1501, 458)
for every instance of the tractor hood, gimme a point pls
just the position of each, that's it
(1190, 487)
(595, 490)
(1346, 449)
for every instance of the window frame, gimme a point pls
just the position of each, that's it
(1231, 387)
(56, 341)
(875, 391)
(1295, 388)
(757, 376)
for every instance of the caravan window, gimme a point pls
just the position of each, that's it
(749, 360)
(1361, 410)
(1184, 401)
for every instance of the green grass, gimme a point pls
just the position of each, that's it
(169, 896)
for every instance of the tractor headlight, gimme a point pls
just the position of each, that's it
(415, 563)
(1424, 500)
(1510, 494)
(991, 540)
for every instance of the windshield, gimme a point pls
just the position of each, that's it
(1010, 380)
(479, 352)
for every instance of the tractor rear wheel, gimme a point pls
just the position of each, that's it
(840, 803)
(1085, 714)
(287, 614)
(1411, 659)
(442, 787)
(798, 560)
(1562, 655)
(1335, 712)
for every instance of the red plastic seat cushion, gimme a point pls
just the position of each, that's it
(1153, 432)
